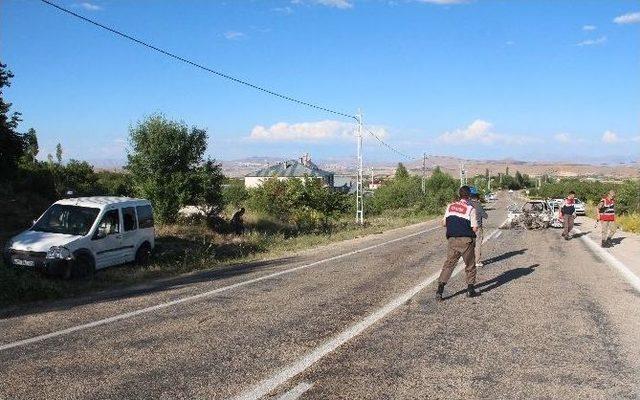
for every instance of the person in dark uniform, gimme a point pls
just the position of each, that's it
(237, 222)
(568, 214)
(481, 215)
(461, 223)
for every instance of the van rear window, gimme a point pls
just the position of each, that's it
(145, 217)
(129, 219)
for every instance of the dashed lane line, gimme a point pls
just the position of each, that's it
(297, 391)
(208, 293)
(271, 383)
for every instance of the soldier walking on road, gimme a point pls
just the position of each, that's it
(461, 223)
(568, 214)
(607, 216)
(481, 215)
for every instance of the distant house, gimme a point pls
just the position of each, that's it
(344, 184)
(290, 169)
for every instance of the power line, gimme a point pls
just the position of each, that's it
(382, 142)
(195, 64)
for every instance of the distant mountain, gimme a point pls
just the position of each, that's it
(346, 166)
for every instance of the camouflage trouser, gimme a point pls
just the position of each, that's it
(479, 239)
(460, 247)
(567, 223)
(608, 229)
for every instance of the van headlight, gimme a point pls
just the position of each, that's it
(59, 252)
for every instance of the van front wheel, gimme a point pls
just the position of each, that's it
(80, 267)
(143, 255)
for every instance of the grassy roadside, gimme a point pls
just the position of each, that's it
(185, 248)
(627, 222)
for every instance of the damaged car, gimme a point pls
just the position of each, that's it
(534, 214)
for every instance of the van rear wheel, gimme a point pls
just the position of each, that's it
(143, 255)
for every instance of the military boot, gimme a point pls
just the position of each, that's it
(439, 292)
(471, 291)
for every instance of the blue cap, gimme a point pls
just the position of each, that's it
(473, 190)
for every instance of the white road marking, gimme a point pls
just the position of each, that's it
(269, 384)
(498, 235)
(160, 306)
(297, 391)
(609, 258)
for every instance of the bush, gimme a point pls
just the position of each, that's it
(627, 192)
(114, 183)
(305, 203)
(629, 222)
(406, 192)
(168, 167)
(235, 194)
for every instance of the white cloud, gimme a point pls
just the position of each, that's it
(610, 137)
(635, 139)
(593, 42)
(284, 10)
(630, 18)
(335, 3)
(234, 35)
(444, 2)
(589, 28)
(89, 6)
(327, 130)
(342, 4)
(480, 131)
(562, 137)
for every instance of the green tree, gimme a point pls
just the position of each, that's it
(78, 176)
(11, 142)
(206, 188)
(114, 183)
(277, 198)
(234, 193)
(401, 172)
(59, 153)
(165, 160)
(30, 143)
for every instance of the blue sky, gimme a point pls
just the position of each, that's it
(478, 79)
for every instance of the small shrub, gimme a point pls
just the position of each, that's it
(629, 222)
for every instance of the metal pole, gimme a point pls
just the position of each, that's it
(359, 186)
(371, 185)
(424, 173)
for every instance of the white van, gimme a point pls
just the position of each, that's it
(77, 236)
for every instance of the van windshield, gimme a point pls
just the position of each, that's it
(70, 220)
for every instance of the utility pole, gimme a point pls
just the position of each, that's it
(359, 185)
(463, 175)
(424, 173)
(371, 185)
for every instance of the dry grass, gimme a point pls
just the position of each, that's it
(184, 248)
(629, 222)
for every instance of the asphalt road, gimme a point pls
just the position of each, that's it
(352, 320)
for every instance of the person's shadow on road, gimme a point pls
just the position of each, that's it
(494, 283)
(504, 256)
(577, 235)
(617, 240)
